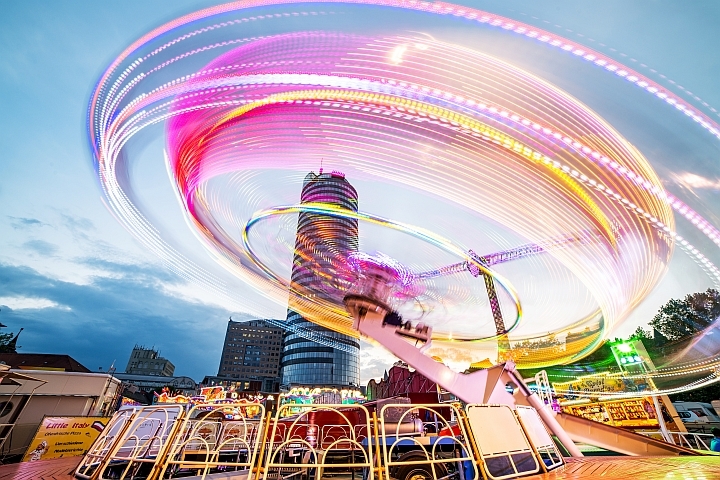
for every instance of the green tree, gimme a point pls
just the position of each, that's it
(642, 334)
(5, 339)
(705, 394)
(679, 319)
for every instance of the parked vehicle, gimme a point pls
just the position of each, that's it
(696, 412)
(691, 417)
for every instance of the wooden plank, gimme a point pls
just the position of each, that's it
(55, 469)
(645, 468)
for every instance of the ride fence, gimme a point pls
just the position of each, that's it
(319, 441)
(506, 452)
(409, 454)
(540, 439)
(313, 442)
(133, 444)
(99, 450)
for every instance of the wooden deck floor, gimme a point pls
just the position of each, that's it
(57, 468)
(605, 468)
(636, 468)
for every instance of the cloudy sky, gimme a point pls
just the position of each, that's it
(78, 283)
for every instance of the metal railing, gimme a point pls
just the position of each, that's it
(6, 429)
(206, 443)
(407, 457)
(693, 440)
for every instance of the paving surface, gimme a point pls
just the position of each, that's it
(605, 468)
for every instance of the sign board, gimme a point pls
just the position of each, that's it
(64, 437)
(598, 384)
(629, 413)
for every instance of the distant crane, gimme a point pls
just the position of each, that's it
(522, 251)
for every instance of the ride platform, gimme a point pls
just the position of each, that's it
(52, 469)
(607, 468)
(645, 468)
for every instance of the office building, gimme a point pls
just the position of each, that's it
(321, 242)
(251, 355)
(147, 361)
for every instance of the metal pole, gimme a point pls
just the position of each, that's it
(547, 416)
(661, 421)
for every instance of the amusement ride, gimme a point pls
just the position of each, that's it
(454, 151)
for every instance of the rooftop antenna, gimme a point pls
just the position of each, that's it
(321, 161)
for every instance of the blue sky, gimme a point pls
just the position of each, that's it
(80, 284)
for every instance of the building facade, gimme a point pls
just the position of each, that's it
(400, 381)
(251, 355)
(321, 242)
(147, 361)
(42, 361)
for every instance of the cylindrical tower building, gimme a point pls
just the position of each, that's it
(322, 244)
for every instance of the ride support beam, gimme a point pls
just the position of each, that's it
(481, 387)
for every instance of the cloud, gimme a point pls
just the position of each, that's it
(20, 223)
(138, 272)
(28, 303)
(123, 305)
(374, 360)
(691, 180)
(100, 322)
(41, 247)
(77, 224)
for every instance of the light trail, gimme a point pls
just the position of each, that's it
(441, 119)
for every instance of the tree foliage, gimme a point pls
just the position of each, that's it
(6, 343)
(679, 319)
(705, 394)
(641, 334)
(5, 338)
